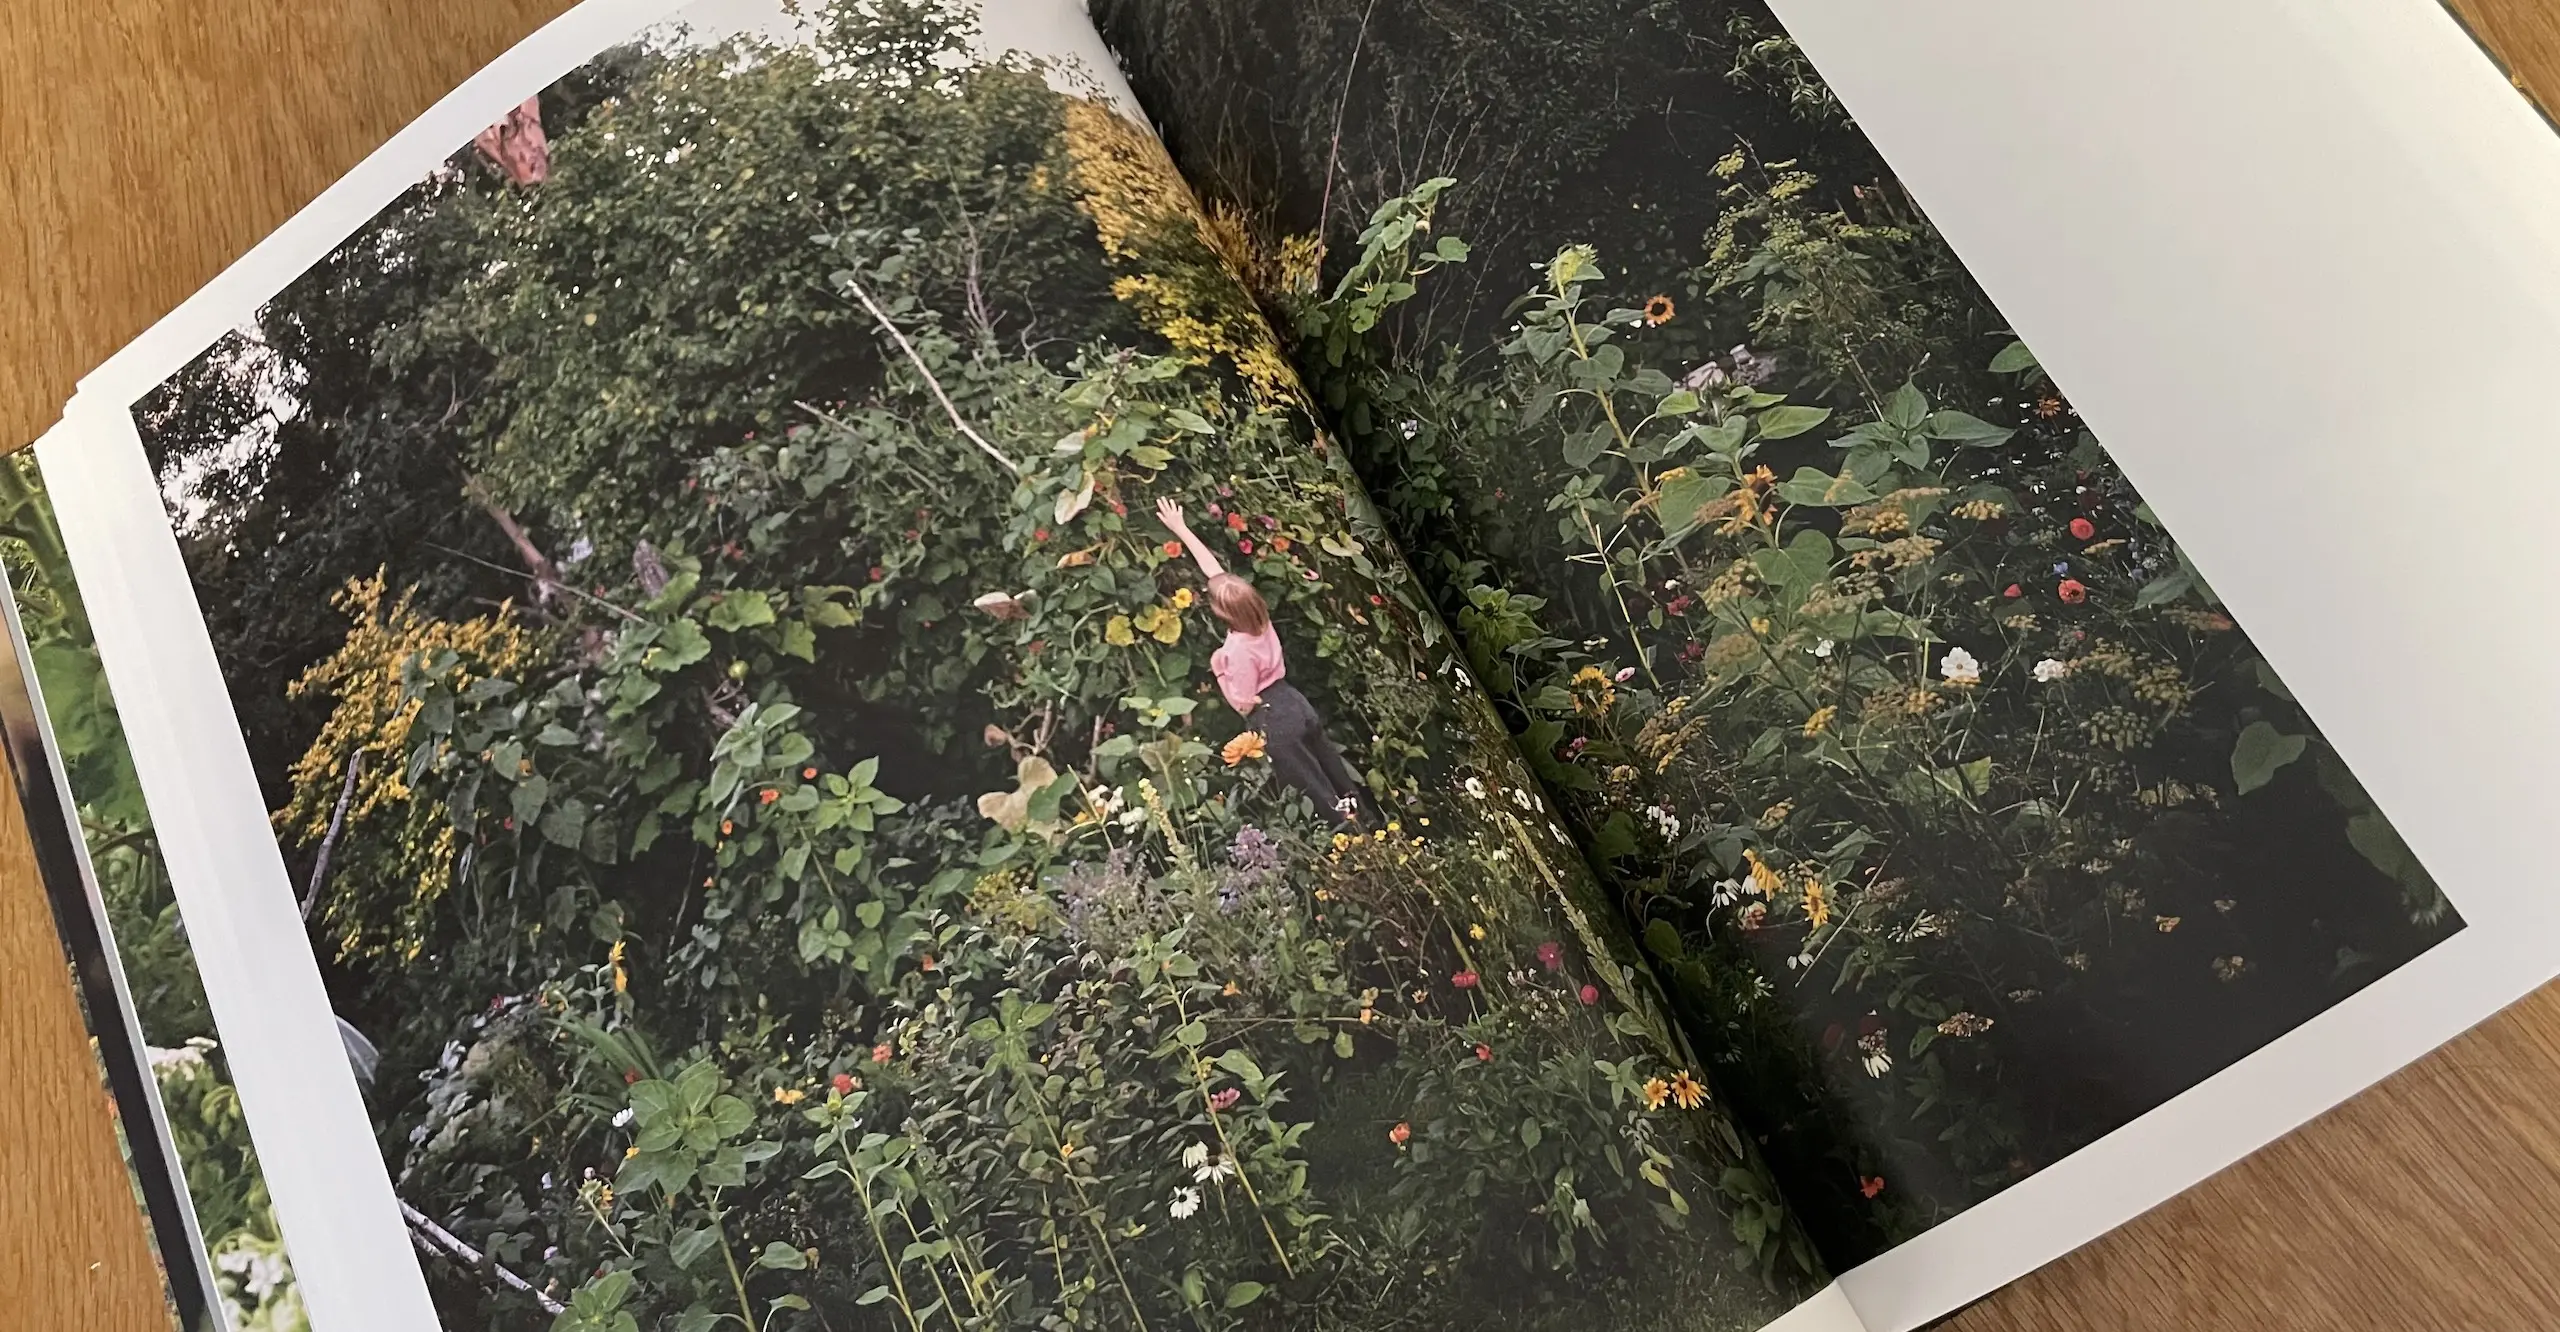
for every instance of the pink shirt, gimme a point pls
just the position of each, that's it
(1247, 665)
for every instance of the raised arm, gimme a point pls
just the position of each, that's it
(1170, 514)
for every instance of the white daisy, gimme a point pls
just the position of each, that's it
(1195, 1156)
(1960, 667)
(1185, 1204)
(1823, 649)
(2050, 670)
(1221, 1168)
(1475, 788)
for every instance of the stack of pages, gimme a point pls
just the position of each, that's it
(1305, 664)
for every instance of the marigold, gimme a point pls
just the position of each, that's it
(1687, 1092)
(1656, 1091)
(1659, 310)
(1246, 746)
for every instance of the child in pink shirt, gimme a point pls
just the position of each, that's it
(1252, 673)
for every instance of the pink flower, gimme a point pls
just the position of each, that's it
(1484, 1054)
(1245, 546)
(1224, 1098)
(1464, 980)
(1590, 995)
(842, 1082)
(1551, 955)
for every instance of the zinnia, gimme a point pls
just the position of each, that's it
(842, 1082)
(2073, 591)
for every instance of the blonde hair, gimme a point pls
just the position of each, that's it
(1234, 601)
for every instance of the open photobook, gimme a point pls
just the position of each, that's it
(1304, 664)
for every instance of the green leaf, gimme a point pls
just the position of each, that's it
(740, 610)
(1662, 939)
(782, 1257)
(1788, 422)
(1243, 1293)
(1908, 408)
(2013, 358)
(1967, 430)
(1342, 1045)
(680, 643)
(689, 1245)
(2262, 749)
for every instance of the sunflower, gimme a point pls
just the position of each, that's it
(1659, 310)
(1686, 1091)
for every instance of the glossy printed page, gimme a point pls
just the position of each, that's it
(852, 759)
(1966, 822)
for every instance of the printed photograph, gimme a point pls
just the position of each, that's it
(1962, 821)
(855, 756)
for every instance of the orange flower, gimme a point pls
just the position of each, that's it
(767, 796)
(1247, 745)
(1686, 1092)
(1659, 310)
(726, 827)
(1173, 550)
(1872, 1186)
(1656, 1091)
(1401, 1134)
(808, 774)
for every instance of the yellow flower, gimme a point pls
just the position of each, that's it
(1764, 880)
(1820, 721)
(1686, 1092)
(1817, 903)
(1231, 990)
(1118, 632)
(1476, 932)
(629, 1152)
(621, 978)
(1246, 745)
(1659, 310)
(1656, 1091)
(1590, 675)
(604, 1198)
(788, 1095)
(1182, 598)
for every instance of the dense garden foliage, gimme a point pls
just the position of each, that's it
(779, 827)
(1964, 821)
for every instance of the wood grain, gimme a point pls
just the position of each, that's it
(144, 144)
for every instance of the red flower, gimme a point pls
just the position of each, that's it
(1039, 534)
(842, 1082)
(1590, 995)
(1401, 1134)
(1551, 955)
(1464, 980)
(1245, 546)
(878, 573)
(1173, 550)
(2082, 529)
(1871, 1187)
(1235, 522)
(2013, 592)
(2072, 591)
(881, 1053)
(629, 1076)
(1224, 1098)
(1484, 1054)
(767, 796)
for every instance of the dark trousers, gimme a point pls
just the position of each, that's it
(1303, 755)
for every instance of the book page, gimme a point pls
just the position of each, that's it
(763, 705)
(1966, 819)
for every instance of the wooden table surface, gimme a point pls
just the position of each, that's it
(144, 144)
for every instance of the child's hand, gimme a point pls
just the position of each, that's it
(1169, 513)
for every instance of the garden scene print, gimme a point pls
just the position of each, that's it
(856, 756)
(1961, 820)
